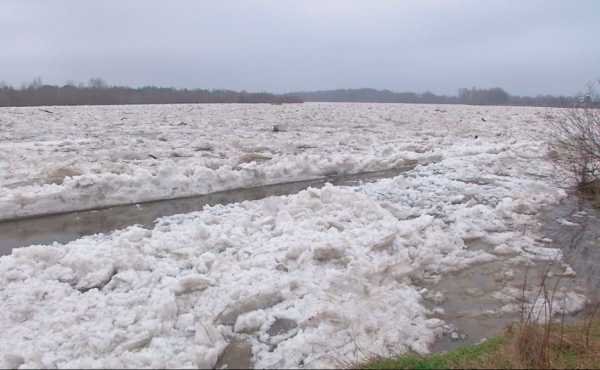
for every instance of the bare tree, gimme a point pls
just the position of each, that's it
(36, 83)
(97, 83)
(575, 140)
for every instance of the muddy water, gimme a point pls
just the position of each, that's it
(469, 300)
(579, 238)
(471, 304)
(66, 227)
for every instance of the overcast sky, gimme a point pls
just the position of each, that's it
(527, 47)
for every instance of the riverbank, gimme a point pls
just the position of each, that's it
(569, 347)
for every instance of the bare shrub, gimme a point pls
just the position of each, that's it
(575, 141)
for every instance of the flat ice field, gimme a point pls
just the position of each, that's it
(319, 278)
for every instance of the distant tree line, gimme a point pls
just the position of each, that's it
(472, 96)
(97, 92)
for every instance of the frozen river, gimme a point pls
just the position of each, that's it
(299, 278)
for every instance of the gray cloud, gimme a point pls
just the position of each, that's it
(538, 46)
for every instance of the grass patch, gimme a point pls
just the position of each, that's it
(453, 359)
(570, 346)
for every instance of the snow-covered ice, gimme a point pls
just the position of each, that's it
(333, 260)
(84, 157)
(340, 266)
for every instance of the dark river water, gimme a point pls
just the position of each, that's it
(66, 227)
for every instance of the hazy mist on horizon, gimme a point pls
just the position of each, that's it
(528, 48)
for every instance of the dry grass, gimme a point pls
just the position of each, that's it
(563, 346)
(568, 346)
